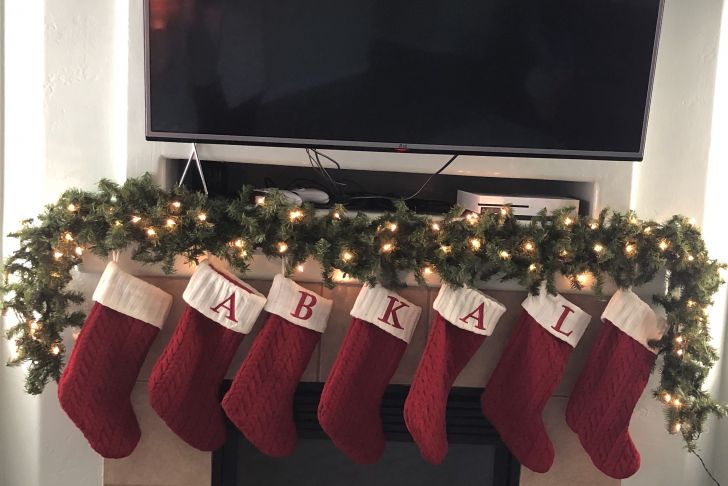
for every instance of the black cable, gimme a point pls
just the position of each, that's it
(452, 159)
(705, 467)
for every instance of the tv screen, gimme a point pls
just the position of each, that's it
(549, 78)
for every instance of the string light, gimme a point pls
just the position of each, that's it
(57, 255)
(171, 223)
(68, 237)
(633, 220)
(472, 218)
(387, 247)
(532, 267)
(336, 215)
(564, 253)
(72, 208)
(679, 340)
(598, 248)
(340, 276)
(295, 215)
(176, 204)
(475, 244)
(135, 219)
(594, 226)
(392, 227)
(427, 271)
(691, 303)
(435, 226)
(647, 230)
(56, 349)
(282, 247)
(260, 200)
(568, 221)
(347, 256)
(504, 211)
(529, 246)
(583, 278)
(679, 352)
(663, 245)
(118, 223)
(299, 268)
(676, 428)
(504, 255)
(239, 243)
(243, 254)
(666, 397)
(202, 217)
(677, 403)
(151, 232)
(630, 249)
(691, 258)
(78, 250)
(445, 248)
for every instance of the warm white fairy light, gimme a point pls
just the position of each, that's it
(690, 258)
(57, 255)
(68, 237)
(427, 271)
(243, 254)
(435, 226)
(568, 221)
(299, 268)
(78, 250)
(679, 339)
(583, 278)
(679, 352)
(666, 397)
(529, 246)
(633, 220)
(475, 244)
(260, 200)
(663, 245)
(340, 276)
(564, 253)
(630, 249)
(118, 223)
(445, 248)
(239, 243)
(202, 217)
(691, 303)
(151, 232)
(392, 227)
(347, 256)
(56, 349)
(336, 215)
(647, 230)
(532, 267)
(504, 211)
(282, 247)
(387, 247)
(472, 218)
(176, 204)
(676, 403)
(171, 223)
(677, 427)
(504, 254)
(295, 215)
(598, 248)
(594, 225)
(72, 208)
(135, 219)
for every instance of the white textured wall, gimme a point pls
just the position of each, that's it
(74, 102)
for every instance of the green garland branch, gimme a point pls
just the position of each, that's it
(159, 226)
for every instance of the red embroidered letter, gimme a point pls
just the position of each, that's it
(229, 308)
(391, 311)
(302, 304)
(477, 314)
(561, 320)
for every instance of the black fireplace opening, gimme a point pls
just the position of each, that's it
(476, 454)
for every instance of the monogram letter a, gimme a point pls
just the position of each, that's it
(229, 305)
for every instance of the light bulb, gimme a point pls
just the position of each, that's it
(475, 243)
(387, 247)
(299, 268)
(504, 254)
(56, 350)
(676, 403)
(679, 352)
(594, 226)
(282, 247)
(135, 219)
(117, 223)
(295, 215)
(347, 256)
(171, 223)
(583, 278)
(445, 248)
(598, 248)
(151, 232)
(532, 267)
(504, 211)
(435, 226)
(260, 200)
(57, 255)
(666, 397)
(239, 243)
(564, 253)
(630, 249)
(529, 246)
(72, 207)
(68, 237)
(679, 340)
(78, 250)
(392, 227)
(691, 303)
(691, 258)
(336, 215)
(647, 230)
(663, 245)
(202, 217)
(676, 428)
(568, 221)
(176, 204)
(427, 271)
(472, 218)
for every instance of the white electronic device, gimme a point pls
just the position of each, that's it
(316, 196)
(523, 207)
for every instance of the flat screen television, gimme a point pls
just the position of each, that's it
(537, 78)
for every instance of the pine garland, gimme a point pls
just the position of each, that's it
(160, 226)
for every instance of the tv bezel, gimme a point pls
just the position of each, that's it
(402, 146)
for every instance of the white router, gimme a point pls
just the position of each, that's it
(523, 207)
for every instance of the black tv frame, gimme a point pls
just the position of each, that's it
(397, 147)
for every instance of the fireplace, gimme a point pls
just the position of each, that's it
(476, 455)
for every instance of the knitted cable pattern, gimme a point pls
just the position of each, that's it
(185, 382)
(448, 350)
(95, 388)
(260, 400)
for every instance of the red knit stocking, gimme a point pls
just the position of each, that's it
(383, 324)
(185, 382)
(96, 385)
(612, 381)
(463, 318)
(260, 400)
(527, 373)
